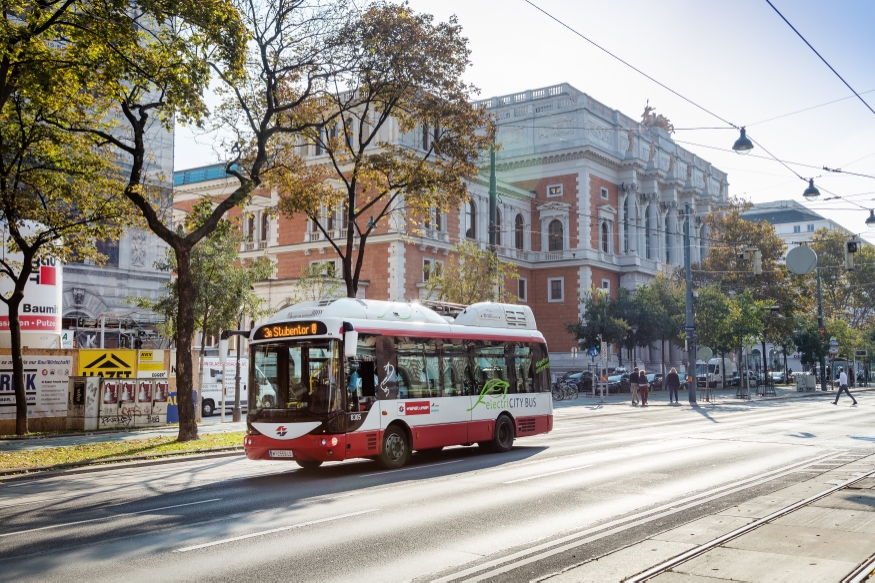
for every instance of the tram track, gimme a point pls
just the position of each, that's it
(860, 575)
(501, 566)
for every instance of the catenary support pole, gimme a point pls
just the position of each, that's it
(691, 355)
(820, 328)
(493, 200)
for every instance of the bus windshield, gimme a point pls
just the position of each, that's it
(296, 375)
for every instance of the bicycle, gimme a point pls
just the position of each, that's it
(564, 391)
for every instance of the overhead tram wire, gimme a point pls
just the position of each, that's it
(637, 70)
(799, 34)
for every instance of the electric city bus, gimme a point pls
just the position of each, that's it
(349, 378)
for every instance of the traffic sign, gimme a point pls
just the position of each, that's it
(594, 351)
(833, 349)
(861, 353)
(833, 341)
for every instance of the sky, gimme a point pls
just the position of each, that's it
(738, 59)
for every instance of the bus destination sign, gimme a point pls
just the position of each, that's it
(290, 330)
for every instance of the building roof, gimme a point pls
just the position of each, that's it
(200, 174)
(780, 216)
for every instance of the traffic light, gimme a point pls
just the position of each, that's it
(755, 256)
(851, 247)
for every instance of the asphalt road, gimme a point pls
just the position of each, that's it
(606, 478)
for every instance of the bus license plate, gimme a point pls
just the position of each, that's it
(282, 453)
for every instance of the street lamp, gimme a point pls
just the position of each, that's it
(811, 192)
(870, 220)
(742, 145)
(634, 333)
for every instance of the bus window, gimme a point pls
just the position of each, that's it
(296, 375)
(417, 368)
(525, 374)
(489, 362)
(454, 360)
(542, 368)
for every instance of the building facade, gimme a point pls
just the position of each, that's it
(100, 292)
(794, 222)
(587, 198)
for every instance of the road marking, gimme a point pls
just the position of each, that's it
(548, 474)
(560, 545)
(108, 517)
(271, 531)
(410, 468)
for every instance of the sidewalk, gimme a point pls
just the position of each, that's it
(828, 539)
(62, 440)
(718, 397)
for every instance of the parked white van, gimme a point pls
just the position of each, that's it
(713, 376)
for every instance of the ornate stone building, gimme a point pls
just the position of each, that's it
(94, 291)
(587, 198)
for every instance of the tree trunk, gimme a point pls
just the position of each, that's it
(184, 333)
(18, 381)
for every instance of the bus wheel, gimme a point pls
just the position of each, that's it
(207, 408)
(395, 449)
(504, 435)
(309, 464)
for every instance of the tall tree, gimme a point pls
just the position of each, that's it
(662, 302)
(222, 282)
(407, 81)
(471, 275)
(270, 59)
(601, 319)
(58, 192)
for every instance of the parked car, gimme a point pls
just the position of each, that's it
(581, 378)
(654, 380)
(777, 377)
(618, 383)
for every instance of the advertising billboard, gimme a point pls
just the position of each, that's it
(45, 383)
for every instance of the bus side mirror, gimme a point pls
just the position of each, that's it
(350, 343)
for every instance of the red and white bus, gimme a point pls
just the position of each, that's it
(351, 378)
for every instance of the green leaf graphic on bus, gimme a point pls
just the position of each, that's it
(496, 389)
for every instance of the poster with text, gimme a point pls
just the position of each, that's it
(45, 384)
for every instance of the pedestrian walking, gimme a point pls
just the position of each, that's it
(633, 385)
(643, 386)
(673, 382)
(843, 386)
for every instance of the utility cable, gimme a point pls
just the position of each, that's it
(637, 70)
(848, 85)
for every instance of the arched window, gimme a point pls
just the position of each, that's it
(626, 225)
(471, 221)
(555, 236)
(265, 226)
(605, 237)
(647, 241)
(667, 241)
(350, 132)
(250, 227)
(518, 231)
(497, 227)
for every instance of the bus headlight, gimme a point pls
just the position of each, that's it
(333, 441)
(324, 441)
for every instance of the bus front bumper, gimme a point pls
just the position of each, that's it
(322, 447)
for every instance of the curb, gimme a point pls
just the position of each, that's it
(116, 463)
(721, 400)
(93, 433)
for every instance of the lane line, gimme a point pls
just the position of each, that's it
(108, 517)
(548, 474)
(550, 548)
(271, 531)
(422, 467)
